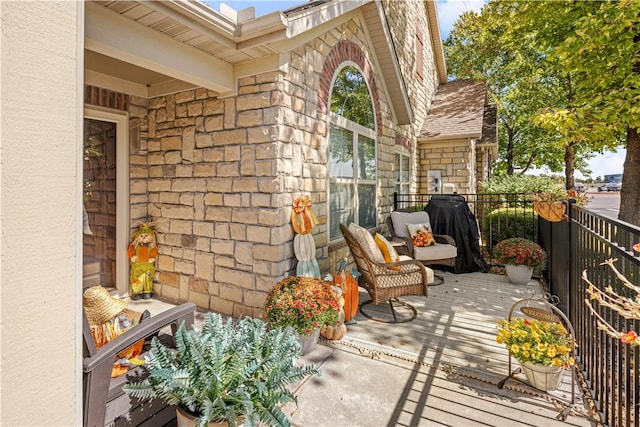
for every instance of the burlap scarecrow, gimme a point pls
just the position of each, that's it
(142, 254)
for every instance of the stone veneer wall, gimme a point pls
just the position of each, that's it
(217, 195)
(404, 17)
(218, 176)
(482, 166)
(455, 159)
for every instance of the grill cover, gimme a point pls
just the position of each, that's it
(450, 214)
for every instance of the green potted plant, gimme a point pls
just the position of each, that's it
(225, 372)
(520, 257)
(305, 304)
(542, 348)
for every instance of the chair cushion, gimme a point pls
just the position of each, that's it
(388, 251)
(430, 274)
(401, 219)
(367, 242)
(420, 235)
(430, 253)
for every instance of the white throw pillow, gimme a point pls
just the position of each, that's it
(367, 242)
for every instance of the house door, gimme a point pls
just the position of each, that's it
(105, 200)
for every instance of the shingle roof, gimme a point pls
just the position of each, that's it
(457, 111)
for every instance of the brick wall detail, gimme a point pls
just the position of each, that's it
(342, 52)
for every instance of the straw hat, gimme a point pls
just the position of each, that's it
(100, 306)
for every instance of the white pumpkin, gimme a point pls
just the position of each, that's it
(304, 247)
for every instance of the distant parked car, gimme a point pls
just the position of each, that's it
(580, 187)
(610, 186)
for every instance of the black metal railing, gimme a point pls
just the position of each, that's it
(578, 244)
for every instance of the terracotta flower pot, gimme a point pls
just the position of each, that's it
(185, 419)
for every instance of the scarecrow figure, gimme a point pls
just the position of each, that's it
(142, 254)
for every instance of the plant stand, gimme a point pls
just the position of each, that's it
(544, 310)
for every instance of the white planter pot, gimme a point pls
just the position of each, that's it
(544, 378)
(308, 342)
(519, 274)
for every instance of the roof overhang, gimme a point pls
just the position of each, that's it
(160, 47)
(436, 41)
(449, 137)
(109, 34)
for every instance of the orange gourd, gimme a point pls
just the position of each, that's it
(333, 332)
(350, 292)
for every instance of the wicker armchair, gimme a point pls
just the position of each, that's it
(387, 282)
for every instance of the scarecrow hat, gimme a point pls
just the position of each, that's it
(100, 306)
(145, 228)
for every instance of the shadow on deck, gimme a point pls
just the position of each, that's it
(440, 369)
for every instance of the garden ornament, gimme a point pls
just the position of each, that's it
(142, 254)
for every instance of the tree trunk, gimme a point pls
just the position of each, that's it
(510, 166)
(569, 166)
(630, 193)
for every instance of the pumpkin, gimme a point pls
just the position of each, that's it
(350, 292)
(304, 247)
(334, 332)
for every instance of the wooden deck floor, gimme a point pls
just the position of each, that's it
(440, 369)
(455, 362)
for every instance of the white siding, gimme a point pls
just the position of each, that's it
(40, 379)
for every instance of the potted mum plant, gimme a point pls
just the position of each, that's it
(520, 257)
(542, 348)
(224, 373)
(305, 304)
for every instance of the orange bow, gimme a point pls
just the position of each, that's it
(302, 217)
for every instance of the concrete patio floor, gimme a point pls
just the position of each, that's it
(441, 369)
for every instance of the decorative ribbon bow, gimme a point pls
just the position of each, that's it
(302, 217)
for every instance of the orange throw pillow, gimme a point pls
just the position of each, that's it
(388, 251)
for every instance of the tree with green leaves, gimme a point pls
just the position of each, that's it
(568, 74)
(519, 82)
(597, 44)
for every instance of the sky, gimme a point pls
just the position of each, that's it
(448, 11)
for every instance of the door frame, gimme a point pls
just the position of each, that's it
(121, 119)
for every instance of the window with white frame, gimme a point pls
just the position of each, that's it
(401, 173)
(352, 153)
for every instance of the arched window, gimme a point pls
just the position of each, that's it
(352, 184)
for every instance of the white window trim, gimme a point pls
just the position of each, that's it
(122, 189)
(357, 130)
(403, 153)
